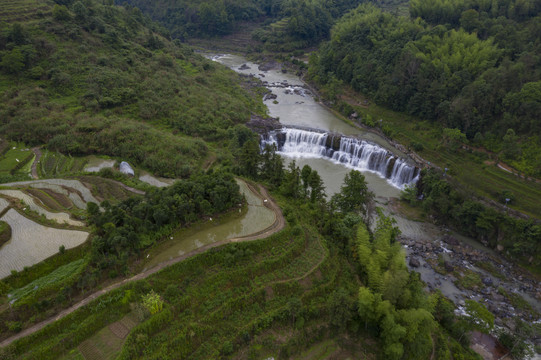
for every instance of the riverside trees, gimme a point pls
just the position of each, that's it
(466, 65)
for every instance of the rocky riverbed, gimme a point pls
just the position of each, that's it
(466, 271)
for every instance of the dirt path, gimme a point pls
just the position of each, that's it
(129, 188)
(279, 224)
(36, 151)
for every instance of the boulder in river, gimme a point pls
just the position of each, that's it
(448, 266)
(244, 67)
(414, 262)
(451, 240)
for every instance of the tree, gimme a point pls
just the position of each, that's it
(305, 176)
(453, 138)
(366, 306)
(354, 195)
(517, 341)
(364, 250)
(317, 190)
(61, 13)
(294, 307)
(80, 11)
(292, 181)
(340, 309)
(477, 318)
(249, 158)
(511, 149)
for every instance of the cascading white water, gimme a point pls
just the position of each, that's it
(353, 153)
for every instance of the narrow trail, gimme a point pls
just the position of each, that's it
(279, 224)
(36, 151)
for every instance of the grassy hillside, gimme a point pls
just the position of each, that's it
(89, 78)
(294, 295)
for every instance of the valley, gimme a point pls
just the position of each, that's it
(317, 180)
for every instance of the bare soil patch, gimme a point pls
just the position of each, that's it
(62, 199)
(45, 199)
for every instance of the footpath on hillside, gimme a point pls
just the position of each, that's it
(277, 225)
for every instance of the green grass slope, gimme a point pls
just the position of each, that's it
(89, 78)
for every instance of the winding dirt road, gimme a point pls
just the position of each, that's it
(261, 192)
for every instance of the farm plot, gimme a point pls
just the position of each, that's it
(59, 191)
(59, 217)
(49, 281)
(31, 242)
(107, 343)
(57, 164)
(106, 189)
(95, 164)
(15, 158)
(74, 184)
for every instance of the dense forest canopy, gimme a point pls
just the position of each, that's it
(470, 65)
(303, 22)
(83, 67)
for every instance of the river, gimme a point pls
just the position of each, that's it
(295, 106)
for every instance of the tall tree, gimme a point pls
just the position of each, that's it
(354, 195)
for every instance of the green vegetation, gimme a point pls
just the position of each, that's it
(285, 25)
(469, 280)
(55, 164)
(14, 159)
(280, 296)
(5, 232)
(520, 238)
(33, 273)
(49, 284)
(454, 63)
(137, 223)
(143, 98)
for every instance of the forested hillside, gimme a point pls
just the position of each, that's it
(84, 77)
(291, 24)
(470, 65)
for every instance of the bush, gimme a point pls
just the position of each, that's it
(417, 146)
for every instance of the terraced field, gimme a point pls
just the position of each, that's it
(106, 343)
(54, 164)
(57, 184)
(22, 10)
(59, 217)
(31, 242)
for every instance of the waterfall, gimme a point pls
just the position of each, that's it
(353, 153)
